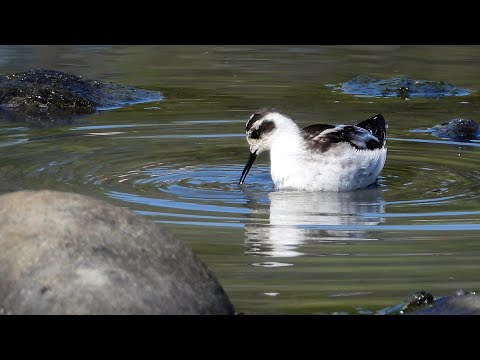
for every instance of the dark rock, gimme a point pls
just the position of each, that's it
(365, 85)
(49, 96)
(424, 303)
(418, 300)
(63, 253)
(467, 304)
(457, 130)
(415, 301)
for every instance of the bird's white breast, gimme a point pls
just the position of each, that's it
(341, 168)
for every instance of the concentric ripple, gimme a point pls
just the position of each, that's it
(416, 193)
(203, 196)
(427, 185)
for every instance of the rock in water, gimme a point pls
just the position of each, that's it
(457, 129)
(424, 303)
(468, 304)
(63, 253)
(365, 85)
(48, 96)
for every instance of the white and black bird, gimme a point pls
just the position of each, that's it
(318, 157)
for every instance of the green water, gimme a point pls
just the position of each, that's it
(178, 162)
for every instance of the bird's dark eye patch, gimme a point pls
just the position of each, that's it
(258, 115)
(266, 127)
(255, 134)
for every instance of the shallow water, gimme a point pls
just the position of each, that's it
(178, 162)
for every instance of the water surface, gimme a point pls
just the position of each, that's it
(178, 162)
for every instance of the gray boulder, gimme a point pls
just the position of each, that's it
(63, 253)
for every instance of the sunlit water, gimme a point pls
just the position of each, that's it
(178, 162)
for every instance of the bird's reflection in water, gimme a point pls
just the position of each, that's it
(296, 218)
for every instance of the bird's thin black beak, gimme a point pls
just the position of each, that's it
(250, 161)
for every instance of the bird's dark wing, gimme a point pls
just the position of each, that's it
(367, 135)
(376, 126)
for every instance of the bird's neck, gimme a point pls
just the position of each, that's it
(287, 143)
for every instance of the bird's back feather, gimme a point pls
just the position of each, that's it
(366, 135)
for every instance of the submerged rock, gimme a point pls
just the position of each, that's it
(424, 303)
(49, 96)
(415, 301)
(365, 85)
(418, 300)
(457, 129)
(63, 253)
(459, 304)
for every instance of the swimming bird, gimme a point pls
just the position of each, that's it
(317, 157)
